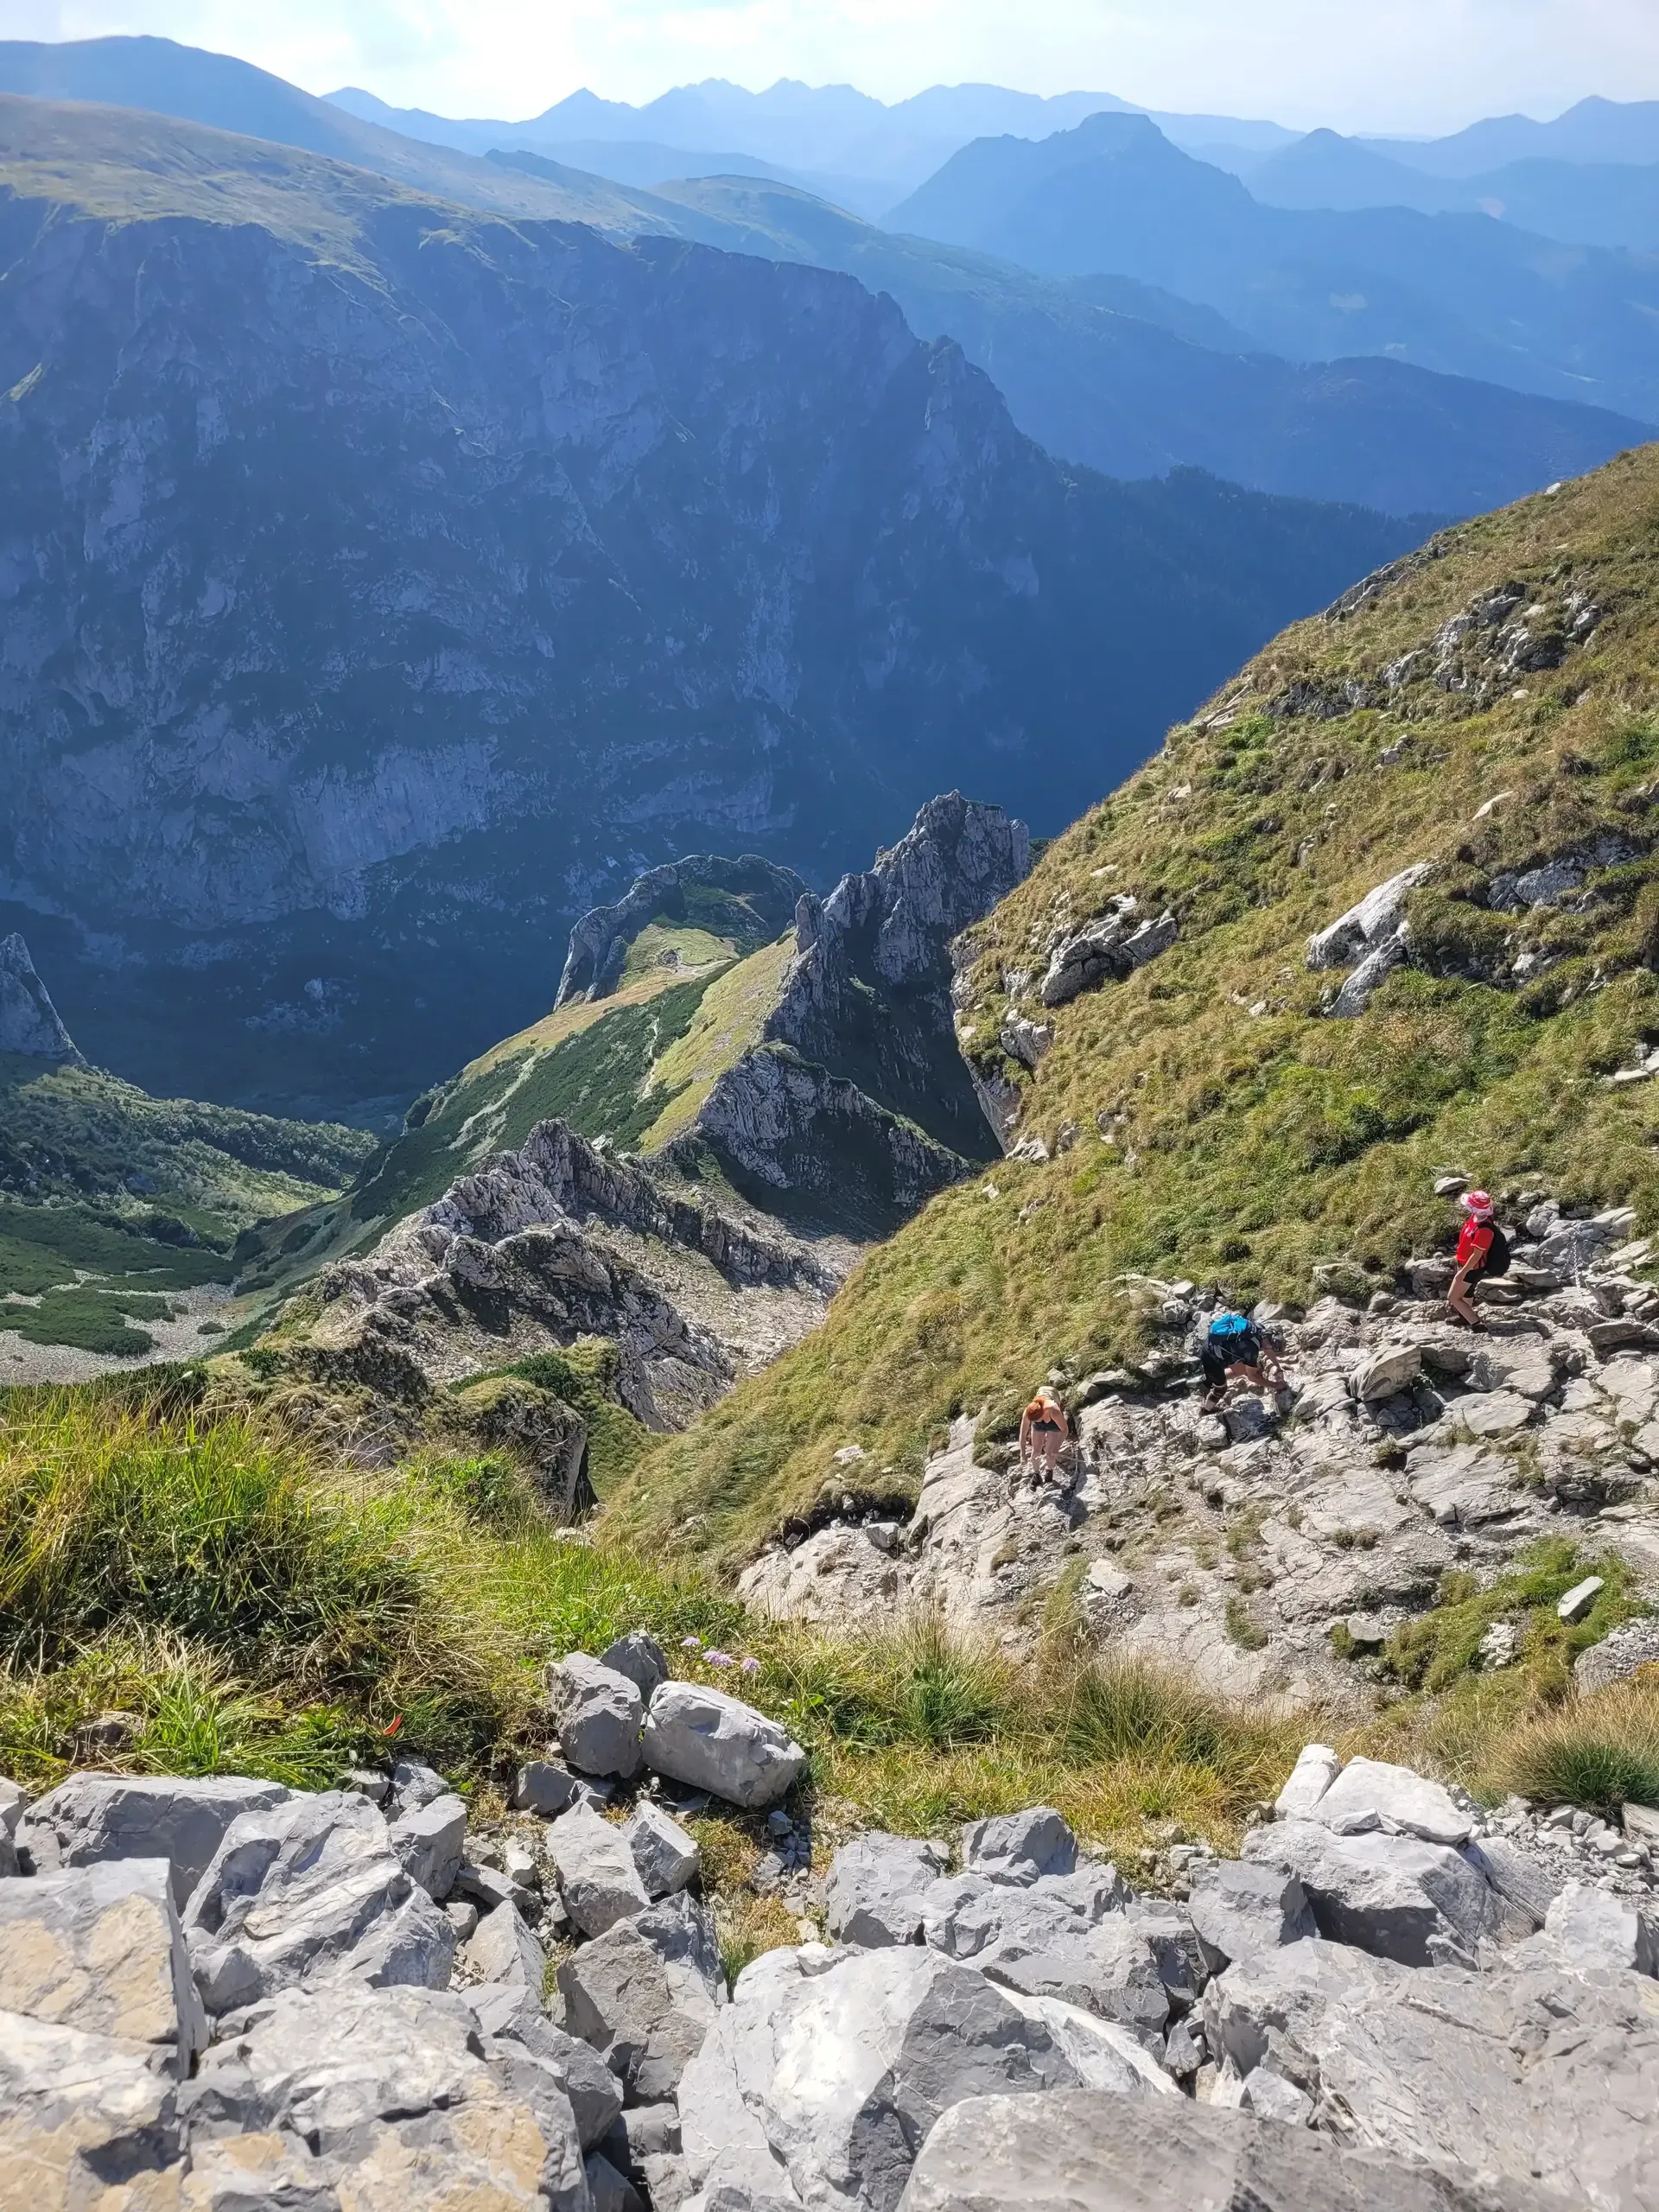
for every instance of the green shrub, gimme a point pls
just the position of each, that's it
(1601, 1751)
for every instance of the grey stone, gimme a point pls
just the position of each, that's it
(1463, 1488)
(489, 1887)
(873, 1895)
(414, 1784)
(598, 1879)
(85, 2121)
(1580, 1599)
(1523, 2071)
(1102, 952)
(1316, 1767)
(389, 2090)
(1618, 1656)
(30, 1023)
(310, 1890)
(99, 1950)
(837, 2065)
(598, 1714)
(640, 1658)
(1387, 1894)
(1080, 2151)
(511, 2016)
(502, 1949)
(1387, 1371)
(666, 1855)
(1020, 1846)
(645, 1995)
(182, 1820)
(711, 1741)
(1592, 1927)
(462, 1915)
(1371, 1793)
(1238, 1909)
(1525, 1884)
(1374, 919)
(428, 1840)
(543, 1787)
(1271, 2097)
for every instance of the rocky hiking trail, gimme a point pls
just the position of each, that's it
(220, 1992)
(1255, 1546)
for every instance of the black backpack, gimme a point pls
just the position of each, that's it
(1498, 1254)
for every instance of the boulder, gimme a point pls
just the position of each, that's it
(1371, 1794)
(598, 1714)
(1107, 951)
(501, 1948)
(99, 1949)
(716, 1743)
(428, 1840)
(666, 1856)
(1590, 1928)
(1020, 1846)
(388, 2098)
(874, 1892)
(645, 1994)
(541, 1786)
(1390, 1895)
(1063, 1937)
(607, 2189)
(598, 1878)
(1238, 1909)
(828, 2069)
(1387, 1371)
(180, 1819)
(1372, 921)
(1078, 2151)
(512, 2021)
(640, 1658)
(1524, 2071)
(1316, 1767)
(310, 1890)
(85, 2121)
(413, 1784)
(12, 1802)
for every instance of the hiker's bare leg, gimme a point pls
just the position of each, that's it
(1460, 1301)
(1051, 1450)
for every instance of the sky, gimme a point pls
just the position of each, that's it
(1410, 66)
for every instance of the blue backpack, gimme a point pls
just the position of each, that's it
(1230, 1329)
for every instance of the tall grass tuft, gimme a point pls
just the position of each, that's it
(1600, 1750)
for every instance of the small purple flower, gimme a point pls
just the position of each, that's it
(720, 1658)
(750, 1666)
(690, 1644)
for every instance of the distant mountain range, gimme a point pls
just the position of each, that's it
(1460, 294)
(1110, 370)
(384, 583)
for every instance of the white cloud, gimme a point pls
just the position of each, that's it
(1411, 65)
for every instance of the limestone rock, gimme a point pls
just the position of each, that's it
(306, 1891)
(1618, 1656)
(1316, 1767)
(414, 1784)
(501, 1948)
(1238, 1909)
(646, 1995)
(666, 1855)
(874, 1892)
(599, 1714)
(1371, 1793)
(1104, 951)
(85, 2121)
(428, 1840)
(512, 2020)
(640, 1658)
(598, 1878)
(1374, 920)
(178, 1818)
(1020, 1846)
(1390, 1895)
(1078, 2151)
(1390, 1368)
(714, 1742)
(1590, 1930)
(98, 1949)
(541, 1786)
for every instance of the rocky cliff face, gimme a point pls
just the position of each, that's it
(384, 581)
(28, 1020)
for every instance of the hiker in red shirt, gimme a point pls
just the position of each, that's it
(1474, 1243)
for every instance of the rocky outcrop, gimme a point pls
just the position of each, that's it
(28, 1020)
(858, 1100)
(1104, 951)
(600, 942)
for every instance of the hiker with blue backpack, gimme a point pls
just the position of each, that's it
(1483, 1253)
(1235, 1350)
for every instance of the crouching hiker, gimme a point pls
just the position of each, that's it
(1235, 1350)
(1483, 1252)
(1042, 1429)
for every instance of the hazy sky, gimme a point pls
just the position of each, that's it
(1406, 65)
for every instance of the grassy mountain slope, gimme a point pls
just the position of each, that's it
(1205, 1119)
(110, 1198)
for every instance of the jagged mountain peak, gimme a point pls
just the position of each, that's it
(30, 1023)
